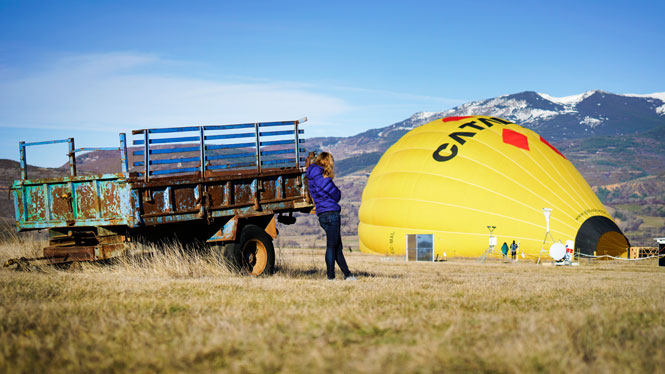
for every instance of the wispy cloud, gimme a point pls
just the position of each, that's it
(122, 90)
(118, 92)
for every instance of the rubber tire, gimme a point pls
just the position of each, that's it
(253, 253)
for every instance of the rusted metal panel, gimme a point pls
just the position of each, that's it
(153, 201)
(227, 232)
(228, 193)
(61, 237)
(255, 188)
(61, 201)
(291, 187)
(36, 203)
(219, 198)
(71, 253)
(84, 244)
(184, 198)
(119, 202)
(19, 210)
(271, 229)
(216, 195)
(60, 254)
(135, 198)
(73, 201)
(269, 190)
(279, 187)
(87, 200)
(243, 193)
(173, 218)
(116, 202)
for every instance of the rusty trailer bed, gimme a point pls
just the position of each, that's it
(205, 191)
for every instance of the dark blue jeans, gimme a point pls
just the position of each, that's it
(331, 224)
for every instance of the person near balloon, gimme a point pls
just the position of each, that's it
(513, 250)
(504, 250)
(326, 198)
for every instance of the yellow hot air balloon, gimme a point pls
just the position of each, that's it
(455, 176)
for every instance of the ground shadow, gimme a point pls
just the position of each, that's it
(315, 273)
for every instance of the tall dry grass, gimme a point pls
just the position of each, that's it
(180, 311)
(15, 245)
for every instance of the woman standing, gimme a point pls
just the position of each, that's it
(326, 198)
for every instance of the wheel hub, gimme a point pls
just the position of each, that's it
(256, 256)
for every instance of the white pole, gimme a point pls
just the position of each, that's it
(547, 212)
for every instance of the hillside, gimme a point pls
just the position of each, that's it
(10, 171)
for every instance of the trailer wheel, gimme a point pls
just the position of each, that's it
(254, 252)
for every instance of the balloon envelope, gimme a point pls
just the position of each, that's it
(455, 176)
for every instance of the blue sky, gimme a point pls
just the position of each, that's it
(90, 69)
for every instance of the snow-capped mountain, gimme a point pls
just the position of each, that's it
(558, 118)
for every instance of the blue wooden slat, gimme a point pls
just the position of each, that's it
(275, 133)
(173, 129)
(169, 140)
(270, 124)
(230, 136)
(169, 150)
(230, 146)
(174, 171)
(169, 161)
(280, 152)
(278, 142)
(282, 132)
(231, 166)
(229, 127)
(227, 156)
(280, 161)
(171, 171)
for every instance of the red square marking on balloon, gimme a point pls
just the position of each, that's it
(515, 138)
(551, 146)
(450, 119)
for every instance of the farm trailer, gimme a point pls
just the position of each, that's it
(220, 184)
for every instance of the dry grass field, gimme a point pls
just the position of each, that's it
(184, 313)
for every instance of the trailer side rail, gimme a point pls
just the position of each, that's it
(23, 162)
(218, 148)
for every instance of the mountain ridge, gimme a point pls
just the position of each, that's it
(592, 113)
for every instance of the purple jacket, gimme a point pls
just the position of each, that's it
(323, 190)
